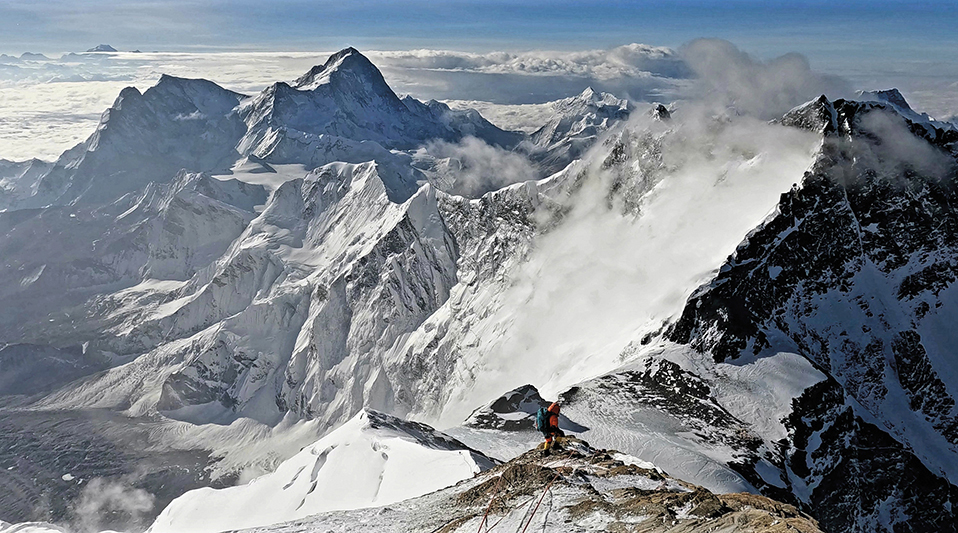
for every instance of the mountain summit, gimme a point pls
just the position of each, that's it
(343, 64)
(344, 102)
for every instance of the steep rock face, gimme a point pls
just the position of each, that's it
(294, 315)
(854, 476)
(856, 273)
(201, 216)
(18, 180)
(362, 312)
(492, 235)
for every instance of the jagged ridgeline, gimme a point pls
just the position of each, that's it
(213, 280)
(856, 273)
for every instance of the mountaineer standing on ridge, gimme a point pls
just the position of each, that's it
(547, 421)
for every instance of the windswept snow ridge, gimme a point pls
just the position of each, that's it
(371, 461)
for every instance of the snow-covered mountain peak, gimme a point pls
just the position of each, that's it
(208, 97)
(842, 116)
(589, 100)
(815, 115)
(346, 101)
(576, 124)
(892, 96)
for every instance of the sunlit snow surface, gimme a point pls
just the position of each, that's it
(605, 277)
(370, 461)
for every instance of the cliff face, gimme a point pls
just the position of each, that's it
(856, 272)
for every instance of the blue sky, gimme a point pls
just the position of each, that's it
(815, 28)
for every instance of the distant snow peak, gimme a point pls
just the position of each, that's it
(576, 124)
(896, 101)
(606, 105)
(30, 56)
(102, 48)
(660, 112)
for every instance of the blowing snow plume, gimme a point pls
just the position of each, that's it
(656, 208)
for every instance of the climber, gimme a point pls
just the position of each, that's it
(547, 421)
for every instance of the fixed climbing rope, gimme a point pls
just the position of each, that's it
(529, 501)
(495, 494)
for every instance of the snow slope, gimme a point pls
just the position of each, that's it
(371, 461)
(716, 423)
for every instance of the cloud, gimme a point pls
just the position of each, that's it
(512, 117)
(766, 89)
(112, 504)
(473, 167)
(635, 60)
(637, 71)
(897, 151)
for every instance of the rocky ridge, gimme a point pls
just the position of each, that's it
(577, 488)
